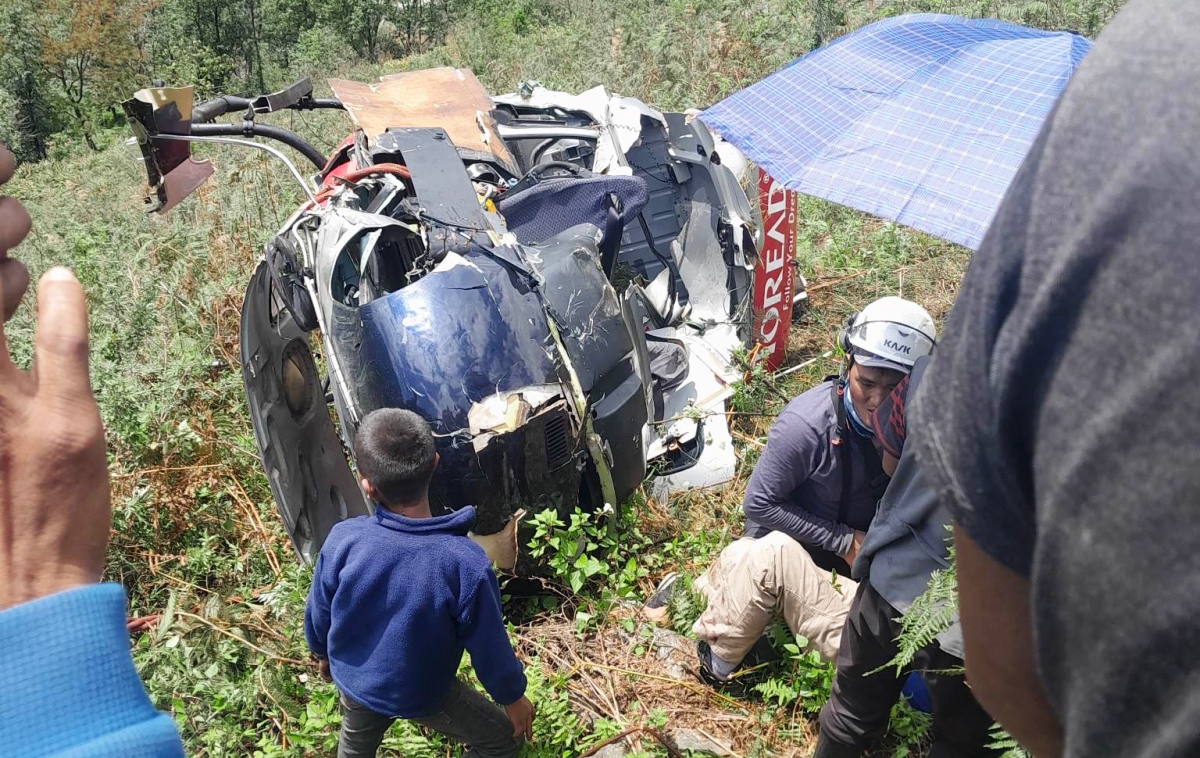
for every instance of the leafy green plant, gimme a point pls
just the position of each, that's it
(804, 676)
(752, 391)
(932, 613)
(1008, 747)
(586, 550)
(686, 605)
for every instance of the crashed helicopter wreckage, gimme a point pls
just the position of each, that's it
(557, 283)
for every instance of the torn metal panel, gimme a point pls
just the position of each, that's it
(309, 476)
(715, 467)
(619, 119)
(586, 308)
(697, 407)
(536, 466)
(437, 173)
(506, 412)
(339, 228)
(171, 172)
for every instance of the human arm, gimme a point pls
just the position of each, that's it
(69, 680)
(317, 613)
(70, 683)
(994, 608)
(785, 463)
(855, 545)
(484, 635)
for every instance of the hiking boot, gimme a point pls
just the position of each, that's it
(761, 654)
(732, 684)
(711, 667)
(657, 608)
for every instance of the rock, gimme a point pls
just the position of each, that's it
(616, 750)
(686, 739)
(676, 653)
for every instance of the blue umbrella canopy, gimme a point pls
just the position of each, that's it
(921, 119)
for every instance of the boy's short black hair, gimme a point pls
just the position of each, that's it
(395, 453)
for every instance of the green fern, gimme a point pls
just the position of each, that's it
(1002, 741)
(933, 612)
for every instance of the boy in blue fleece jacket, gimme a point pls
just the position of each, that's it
(397, 596)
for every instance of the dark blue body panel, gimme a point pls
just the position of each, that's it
(452, 339)
(456, 336)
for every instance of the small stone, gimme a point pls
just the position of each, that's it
(676, 654)
(615, 750)
(666, 642)
(686, 739)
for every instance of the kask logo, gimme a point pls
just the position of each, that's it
(893, 345)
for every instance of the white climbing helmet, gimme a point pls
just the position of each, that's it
(890, 333)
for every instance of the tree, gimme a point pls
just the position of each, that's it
(358, 22)
(89, 51)
(28, 117)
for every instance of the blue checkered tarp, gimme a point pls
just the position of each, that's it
(921, 119)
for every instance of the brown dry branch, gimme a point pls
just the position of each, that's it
(671, 751)
(164, 469)
(264, 536)
(834, 282)
(244, 642)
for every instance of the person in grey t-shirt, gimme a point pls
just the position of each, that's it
(1062, 420)
(905, 544)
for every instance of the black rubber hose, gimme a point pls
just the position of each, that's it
(217, 107)
(293, 141)
(318, 103)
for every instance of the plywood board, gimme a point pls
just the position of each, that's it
(450, 98)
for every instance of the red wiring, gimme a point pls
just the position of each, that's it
(382, 168)
(359, 174)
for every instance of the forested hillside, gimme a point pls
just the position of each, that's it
(216, 592)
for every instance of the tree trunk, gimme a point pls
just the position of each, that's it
(87, 133)
(258, 67)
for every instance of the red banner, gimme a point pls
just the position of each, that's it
(774, 276)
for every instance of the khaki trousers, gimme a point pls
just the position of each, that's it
(753, 579)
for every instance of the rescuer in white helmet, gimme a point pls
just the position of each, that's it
(890, 334)
(810, 499)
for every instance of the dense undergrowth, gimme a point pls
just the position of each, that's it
(214, 587)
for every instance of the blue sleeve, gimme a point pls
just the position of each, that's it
(316, 610)
(485, 637)
(786, 461)
(69, 683)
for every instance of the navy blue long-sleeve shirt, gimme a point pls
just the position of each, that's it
(395, 602)
(796, 486)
